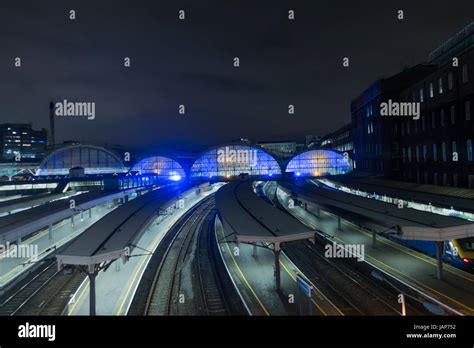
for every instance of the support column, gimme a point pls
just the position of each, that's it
(318, 212)
(92, 275)
(254, 250)
(339, 223)
(90, 213)
(439, 257)
(276, 251)
(306, 206)
(50, 231)
(374, 239)
(72, 221)
(82, 215)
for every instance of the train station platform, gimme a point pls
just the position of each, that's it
(454, 292)
(248, 219)
(10, 206)
(116, 288)
(445, 196)
(409, 223)
(15, 227)
(252, 271)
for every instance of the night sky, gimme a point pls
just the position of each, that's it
(190, 62)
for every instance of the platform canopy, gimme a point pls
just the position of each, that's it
(109, 238)
(248, 218)
(411, 224)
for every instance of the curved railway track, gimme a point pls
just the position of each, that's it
(186, 277)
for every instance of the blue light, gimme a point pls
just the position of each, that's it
(175, 177)
(271, 174)
(298, 174)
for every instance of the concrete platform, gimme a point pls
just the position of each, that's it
(455, 292)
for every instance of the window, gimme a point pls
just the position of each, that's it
(423, 126)
(443, 151)
(409, 154)
(403, 154)
(435, 178)
(417, 151)
(425, 153)
(408, 127)
(440, 85)
(433, 120)
(450, 81)
(435, 154)
(422, 95)
(431, 90)
(467, 110)
(469, 149)
(465, 77)
(445, 179)
(443, 118)
(454, 147)
(453, 114)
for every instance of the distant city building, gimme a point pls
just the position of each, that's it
(434, 147)
(437, 148)
(18, 138)
(312, 141)
(339, 140)
(280, 148)
(375, 148)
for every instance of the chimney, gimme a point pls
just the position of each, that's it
(51, 125)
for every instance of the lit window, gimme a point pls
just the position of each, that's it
(454, 146)
(443, 151)
(422, 97)
(465, 77)
(440, 85)
(431, 90)
(469, 149)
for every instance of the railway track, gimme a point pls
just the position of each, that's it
(351, 291)
(213, 303)
(46, 293)
(186, 276)
(346, 282)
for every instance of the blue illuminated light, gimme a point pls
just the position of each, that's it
(161, 167)
(319, 163)
(229, 161)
